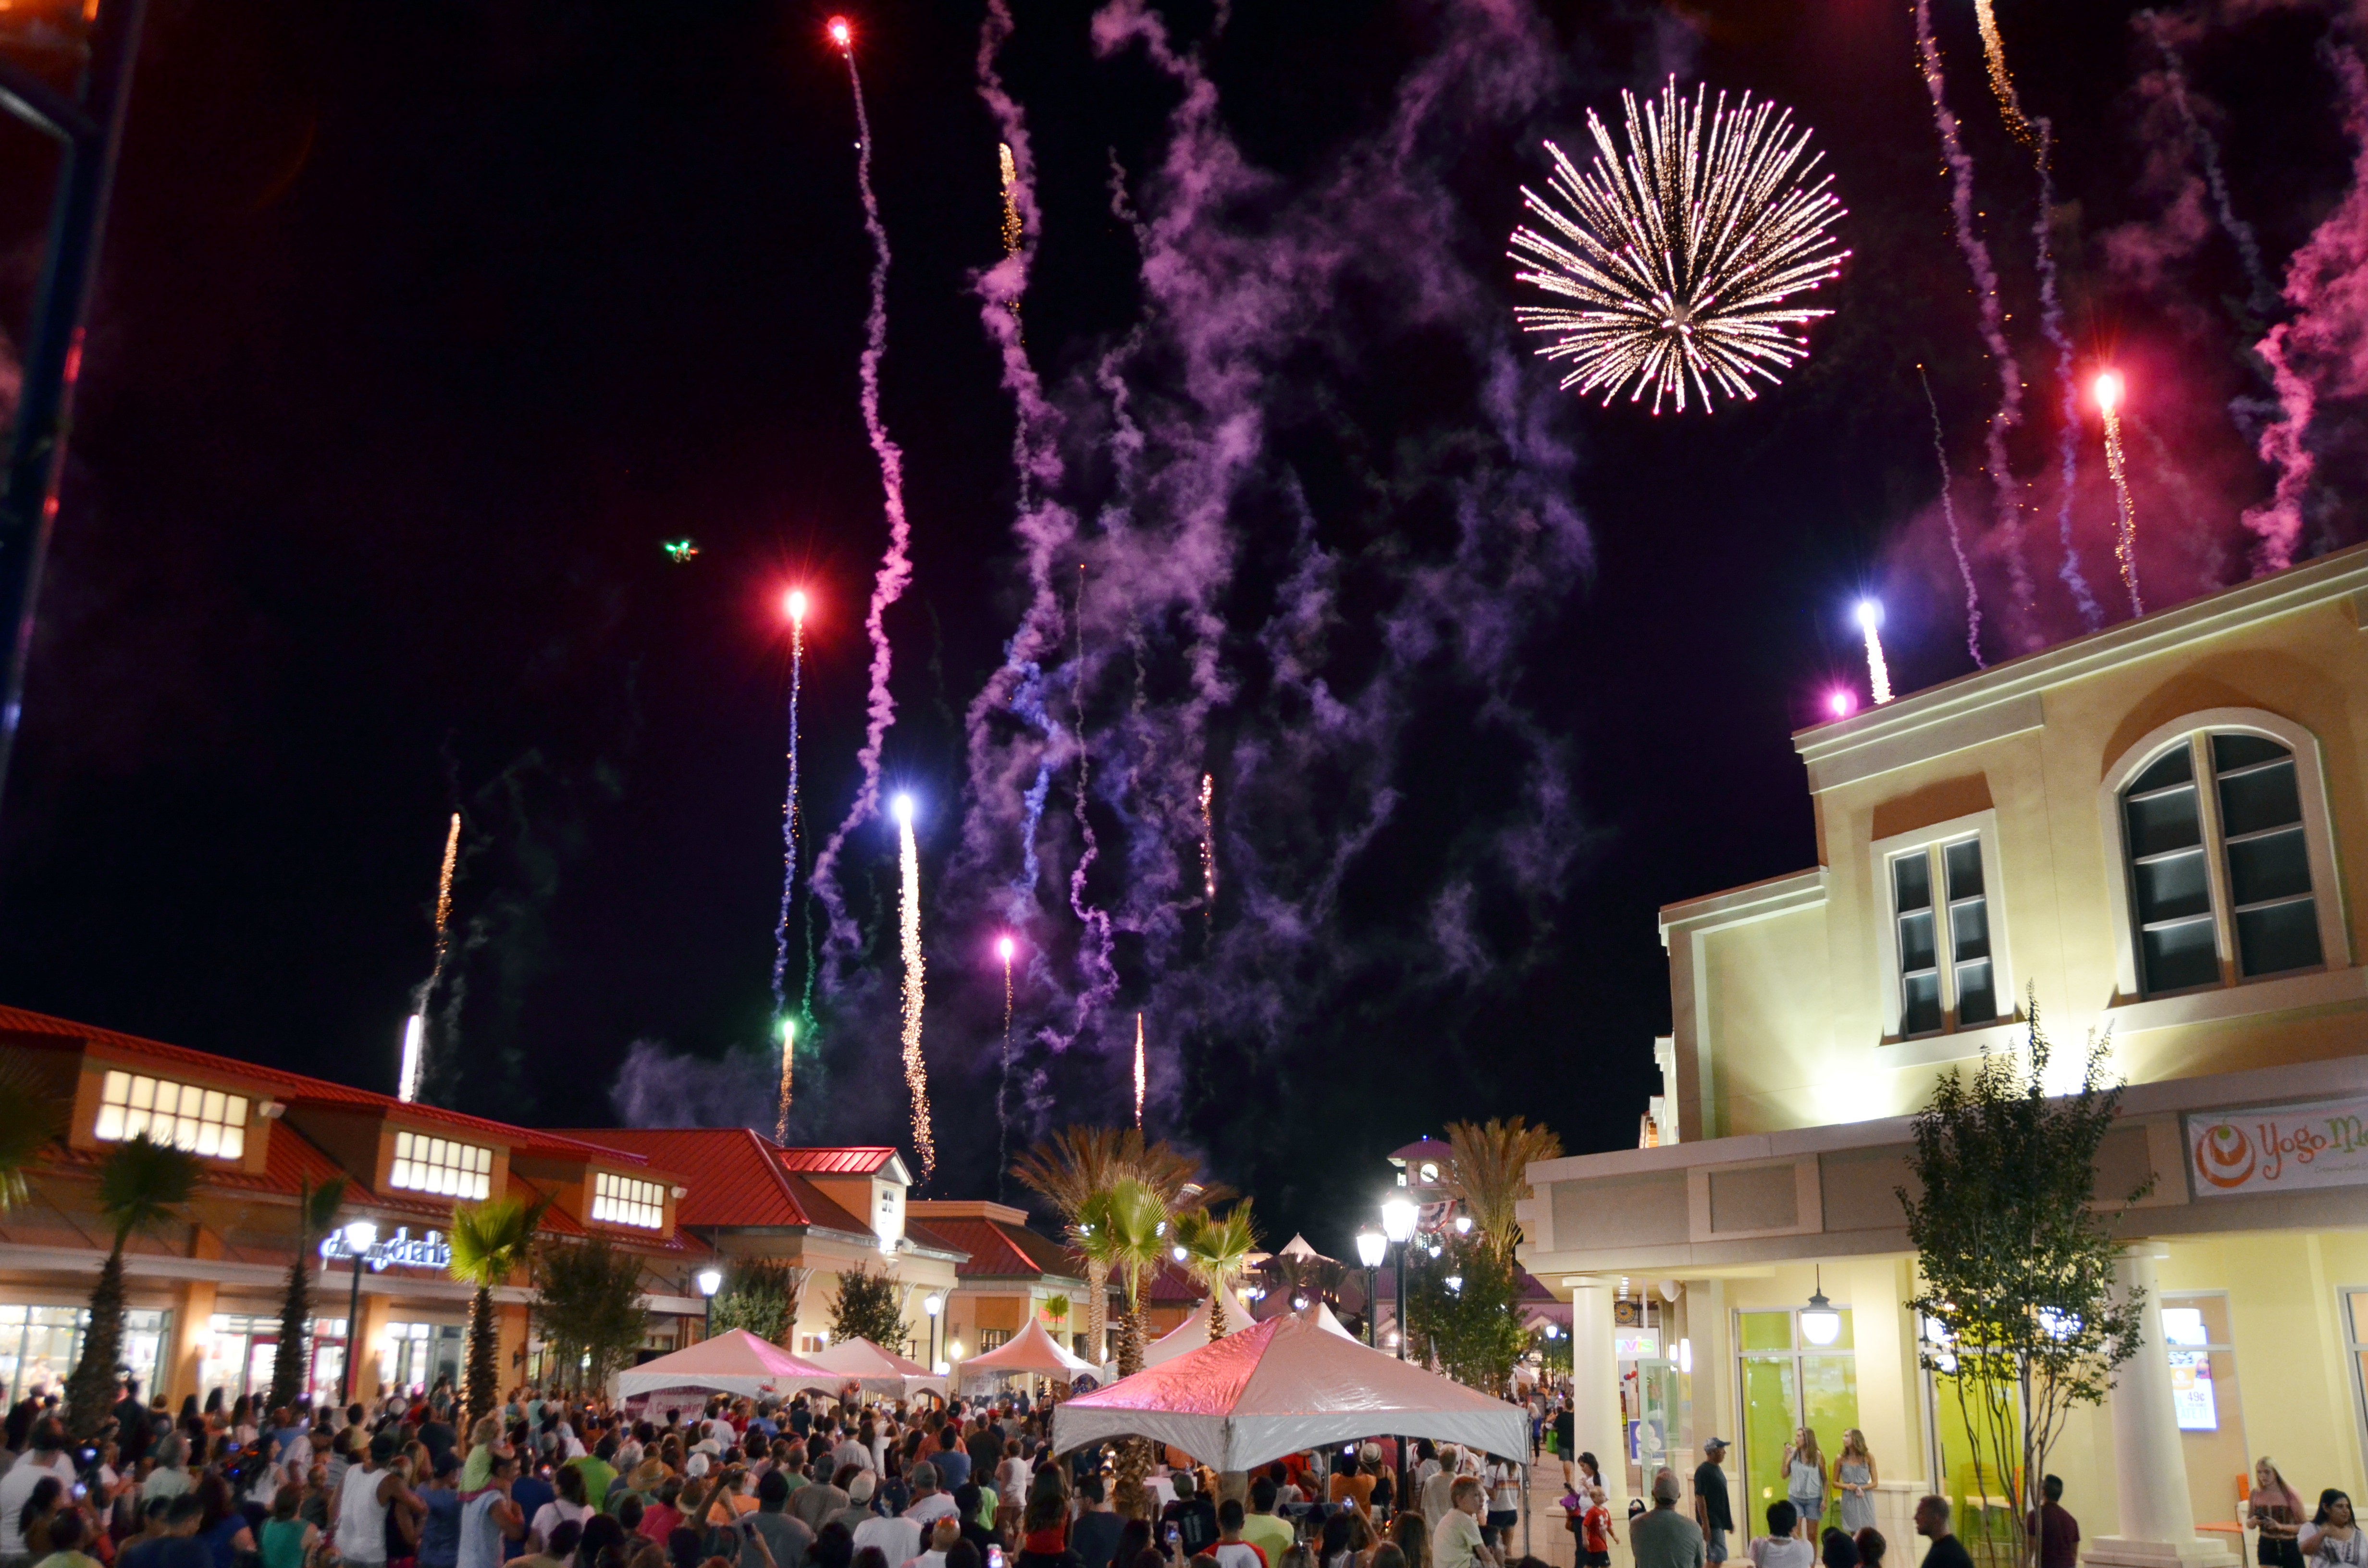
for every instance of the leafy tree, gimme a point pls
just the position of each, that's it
(316, 1209)
(2023, 1319)
(32, 1116)
(867, 1307)
(589, 1303)
(1554, 1355)
(141, 1185)
(1463, 1313)
(761, 1296)
(1124, 1227)
(1492, 1174)
(1214, 1253)
(491, 1241)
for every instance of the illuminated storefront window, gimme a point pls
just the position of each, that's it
(39, 1345)
(620, 1200)
(440, 1166)
(204, 1121)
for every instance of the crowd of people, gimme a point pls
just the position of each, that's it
(549, 1480)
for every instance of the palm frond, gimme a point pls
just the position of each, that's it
(316, 1208)
(1492, 1174)
(142, 1183)
(491, 1241)
(32, 1116)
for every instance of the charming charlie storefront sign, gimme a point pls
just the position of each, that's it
(2279, 1148)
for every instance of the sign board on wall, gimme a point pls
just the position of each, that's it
(2278, 1149)
(1635, 1345)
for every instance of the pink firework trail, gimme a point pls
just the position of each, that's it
(1948, 516)
(2051, 326)
(895, 567)
(1985, 290)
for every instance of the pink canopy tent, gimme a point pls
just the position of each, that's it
(875, 1370)
(734, 1361)
(1029, 1350)
(1287, 1385)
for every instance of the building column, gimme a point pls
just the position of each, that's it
(183, 1361)
(1596, 1426)
(2157, 1516)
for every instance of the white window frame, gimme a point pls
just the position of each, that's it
(2354, 1348)
(1983, 826)
(2319, 842)
(221, 1119)
(469, 1184)
(625, 1197)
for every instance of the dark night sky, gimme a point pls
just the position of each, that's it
(422, 327)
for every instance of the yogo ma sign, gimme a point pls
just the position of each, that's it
(2278, 1148)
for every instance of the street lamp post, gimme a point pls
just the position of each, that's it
(1399, 1214)
(710, 1281)
(361, 1236)
(933, 1303)
(1372, 1245)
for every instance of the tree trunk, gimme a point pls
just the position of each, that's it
(1217, 1310)
(90, 1391)
(1134, 1454)
(479, 1391)
(1098, 1310)
(295, 1308)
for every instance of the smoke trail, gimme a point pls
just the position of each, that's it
(1102, 982)
(1208, 848)
(917, 1069)
(2324, 348)
(1948, 516)
(2262, 297)
(413, 1068)
(1003, 1085)
(2068, 433)
(895, 567)
(797, 605)
(1985, 290)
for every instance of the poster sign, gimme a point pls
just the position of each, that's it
(2191, 1391)
(1635, 1345)
(2280, 1149)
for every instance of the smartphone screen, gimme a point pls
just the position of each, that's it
(1175, 1536)
(994, 1557)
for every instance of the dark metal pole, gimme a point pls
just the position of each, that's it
(353, 1334)
(28, 491)
(1397, 1309)
(1373, 1308)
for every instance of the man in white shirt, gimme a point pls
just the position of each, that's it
(48, 1457)
(1438, 1484)
(899, 1539)
(1455, 1542)
(928, 1505)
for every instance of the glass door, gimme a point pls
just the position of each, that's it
(1785, 1382)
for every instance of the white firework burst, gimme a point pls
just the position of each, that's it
(1683, 251)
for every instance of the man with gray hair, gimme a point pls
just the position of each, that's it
(1664, 1538)
(927, 1505)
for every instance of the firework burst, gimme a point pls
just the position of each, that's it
(1683, 251)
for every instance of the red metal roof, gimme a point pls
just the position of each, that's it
(295, 1087)
(853, 1159)
(735, 1179)
(999, 1250)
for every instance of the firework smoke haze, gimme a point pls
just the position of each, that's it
(2207, 152)
(896, 566)
(2068, 431)
(1976, 253)
(1948, 516)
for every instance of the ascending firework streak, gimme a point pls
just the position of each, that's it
(1986, 299)
(916, 1071)
(1208, 849)
(1138, 1072)
(1949, 515)
(896, 566)
(1003, 949)
(2125, 538)
(1878, 674)
(415, 1028)
(1012, 232)
(796, 606)
(2001, 83)
(1682, 250)
(789, 1061)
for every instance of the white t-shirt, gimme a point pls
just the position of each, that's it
(1239, 1555)
(1456, 1542)
(1782, 1551)
(931, 1509)
(899, 1540)
(554, 1514)
(17, 1489)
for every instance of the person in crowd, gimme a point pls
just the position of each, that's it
(289, 1541)
(1664, 1538)
(1232, 1551)
(1870, 1547)
(1782, 1546)
(2058, 1531)
(1805, 1482)
(860, 1489)
(223, 1527)
(1262, 1528)
(1932, 1524)
(1455, 1541)
(786, 1538)
(1590, 1479)
(927, 1504)
(1713, 1514)
(1855, 1481)
(71, 1535)
(48, 1460)
(2333, 1538)
(2276, 1512)
(1837, 1549)
(368, 1492)
(1094, 1534)
(41, 1510)
(1409, 1532)
(440, 1519)
(491, 1518)
(943, 1537)
(567, 1506)
(1356, 1486)
(1333, 1548)
(897, 1539)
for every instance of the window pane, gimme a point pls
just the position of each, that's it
(1920, 1003)
(1964, 864)
(1829, 1408)
(2175, 766)
(1969, 930)
(2275, 866)
(2251, 801)
(2243, 751)
(1916, 949)
(1976, 994)
(1771, 1412)
(2169, 888)
(2179, 956)
(1911, 881)
(2163, 823)
(1774, 1331)
(2282, 936)
(2358, 1303)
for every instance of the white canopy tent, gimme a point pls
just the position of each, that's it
(734, 1361)
(1287, 1385)
(1321, 1316)
(1193, 1331)
(874, 1371)
(1031, 1350)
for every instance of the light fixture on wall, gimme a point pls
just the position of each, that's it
(1820, 1325)
(1686, 1357)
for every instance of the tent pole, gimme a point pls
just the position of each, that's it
(1525, 1511)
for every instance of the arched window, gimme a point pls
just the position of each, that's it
(2223, 831)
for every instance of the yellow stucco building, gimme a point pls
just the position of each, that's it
(2159, 830)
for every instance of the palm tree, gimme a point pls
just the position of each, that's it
(1214, 1253)
(31, 1118)
(491, 1241)
(1492, 1174)
(1068, 1169)
(1124, 1228)
(316, 1209)
(141, 1186)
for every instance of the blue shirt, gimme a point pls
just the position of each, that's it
(439, 1532)
(530, 1492)
(953, 1468)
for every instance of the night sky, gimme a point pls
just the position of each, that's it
(423, 327)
